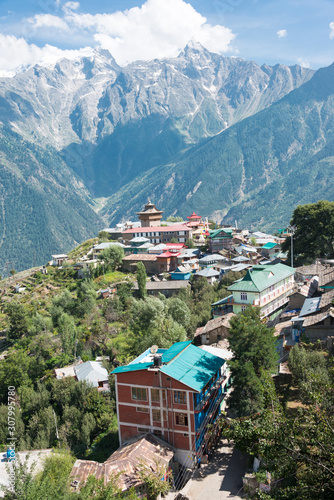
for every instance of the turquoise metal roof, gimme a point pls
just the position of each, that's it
(184, 362)
(132, 367)
(261, 277)
(193, 367)
(269, 245)
(174, 351)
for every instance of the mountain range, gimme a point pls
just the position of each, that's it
(84, 143)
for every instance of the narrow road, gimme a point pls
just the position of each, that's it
(221, 479)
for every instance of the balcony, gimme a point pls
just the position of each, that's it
(209, 394)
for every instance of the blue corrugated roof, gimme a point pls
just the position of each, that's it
(193, 367)
(184, 362)
(174, 351)
(132, 367)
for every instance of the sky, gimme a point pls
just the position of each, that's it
(265, 31)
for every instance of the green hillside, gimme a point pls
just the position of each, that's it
(44, 207)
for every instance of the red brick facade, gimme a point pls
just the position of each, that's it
(149, 401)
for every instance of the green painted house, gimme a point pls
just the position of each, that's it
(265, 286)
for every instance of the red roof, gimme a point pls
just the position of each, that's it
(168, 254)
(194, 216)
(161, 229)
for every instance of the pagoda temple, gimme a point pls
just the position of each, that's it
(150, 216)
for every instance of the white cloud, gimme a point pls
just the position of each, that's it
(48, 21)
(157, 29)
(331, 33)
(71, 6)
(282, 33)
(304, 63)
(16, 53)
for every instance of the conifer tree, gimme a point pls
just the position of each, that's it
(141, 280)
(254, 355)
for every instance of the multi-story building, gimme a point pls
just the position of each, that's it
(173, 393)
(265, 286)
(220, 239)
(160, 234)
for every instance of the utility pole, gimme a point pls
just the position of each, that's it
(292, 230)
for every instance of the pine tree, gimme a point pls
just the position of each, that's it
(254, 354)
(141, 280)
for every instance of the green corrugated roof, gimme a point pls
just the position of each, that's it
(132, 367)
(261, 277)
(269, 245)
(174, 351)
(216, 232)
(193, 367)
(186, 363)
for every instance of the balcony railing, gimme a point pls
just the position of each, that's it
(208, 396)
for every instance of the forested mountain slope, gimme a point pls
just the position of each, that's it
(255, 171)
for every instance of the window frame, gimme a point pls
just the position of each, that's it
(181, 417)
(180, 397)
(137, 389)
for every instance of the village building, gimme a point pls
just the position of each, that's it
(182, 272)
(97, 249)
(173, 393)
(58, 259)
(209, 274)
(222, 307)
(167, 288)
(150, 216)
(214, 330)
(129, 263)
(270, 249)
(265, 286)
(124, 463)
(90, 371)
(220, 239)
(160, 234)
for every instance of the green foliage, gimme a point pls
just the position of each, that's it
(112, 257)
(254, 355)
(296, 448)
(141, 280)
(151, 324)
(313, 237)
(18, 320)
(68, 333)
(153, 479)
(173, 218)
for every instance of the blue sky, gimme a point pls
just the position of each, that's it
(266, 31)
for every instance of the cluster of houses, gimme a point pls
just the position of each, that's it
(169, 401)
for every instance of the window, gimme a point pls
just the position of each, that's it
(243, 308)
(158, 433)
(156, 415)
(143, 409)
(164, 414)
(180, 397)
(155, 395)
(181, 419)
(143, 430)
(139, 393)
(243, 296)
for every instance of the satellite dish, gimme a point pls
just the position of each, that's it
(154, 349)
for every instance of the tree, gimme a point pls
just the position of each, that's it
(190, 243)
(153, 477)
(254, 353)
(68, 333)
(12, 272)
(173, 218)
(314, 234)
(18, 320)
(141, 280)
(112, 256)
